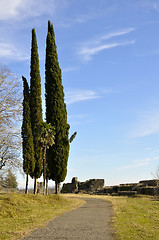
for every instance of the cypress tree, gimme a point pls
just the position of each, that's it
(27, 137)
(56, 114)
(35, 106)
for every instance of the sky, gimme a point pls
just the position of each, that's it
(109, 55)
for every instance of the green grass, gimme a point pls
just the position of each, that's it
(134, 218)
(21, 213)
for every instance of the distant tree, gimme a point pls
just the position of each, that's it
(56, 114)
(10, 115)
(10, 180)
(35, 107)
(46, 140)
(27, 136)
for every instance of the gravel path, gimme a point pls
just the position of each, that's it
(89, 222)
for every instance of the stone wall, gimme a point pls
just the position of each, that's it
(70, 187)
(148, 190)
(154, 182)
(96, 186)
(89, 186)
(146, 187)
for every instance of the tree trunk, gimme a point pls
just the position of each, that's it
(35, 186)
(46, 186)
(44, 169)
(26, 189)
(57, 188)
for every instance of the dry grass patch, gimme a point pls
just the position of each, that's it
(21, 213)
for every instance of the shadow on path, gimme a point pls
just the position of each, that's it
(88, 222)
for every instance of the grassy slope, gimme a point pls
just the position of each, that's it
(21, 213)
(134, 218)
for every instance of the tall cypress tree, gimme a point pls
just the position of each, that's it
(27, 137)
(35, 106)
(56, 114)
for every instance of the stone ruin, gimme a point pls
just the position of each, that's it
(90, 186)
(40, 187)
(96, 186)
(146, 187)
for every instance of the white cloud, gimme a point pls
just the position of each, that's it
(118, 33)
(147, 125)
(10, 52)
(8, 9)
(70, 69)
(152, 5)
(18, 9)
(17, 16)
(91, 48)
(87, 15)
(74, 95)
(155, 6)
(77, 116)
(78, 119)
(83, 18)
(68, 22)
(87, 52)
(139, 163)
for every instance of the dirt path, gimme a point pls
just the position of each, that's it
(89, 222)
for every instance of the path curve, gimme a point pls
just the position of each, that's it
(88, 222)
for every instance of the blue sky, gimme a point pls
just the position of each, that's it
(109, 55)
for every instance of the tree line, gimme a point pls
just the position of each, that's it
(45, 144)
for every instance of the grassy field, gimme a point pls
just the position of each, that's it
(21, 213)
(134, 218)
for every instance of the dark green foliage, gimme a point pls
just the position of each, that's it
(35, 103)
(27, 137)
(72, 137)
(46, 140)
(10, 180)
(56, 114)
(46, 135)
